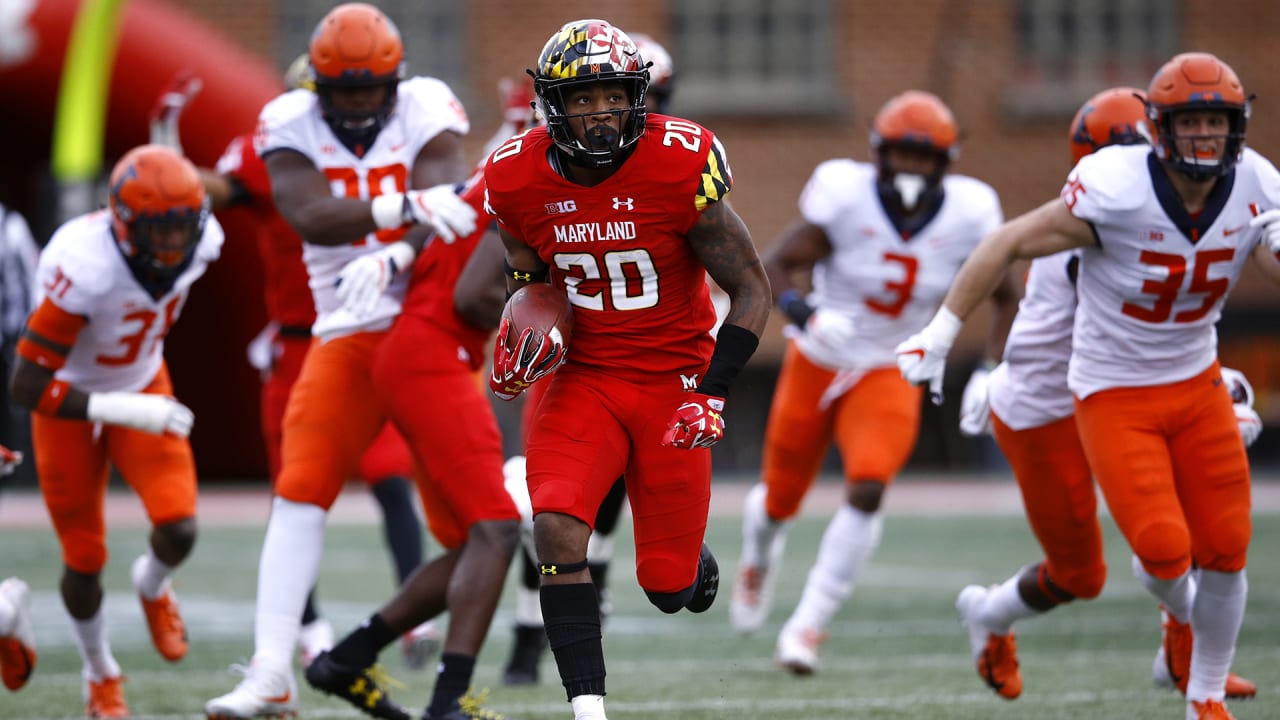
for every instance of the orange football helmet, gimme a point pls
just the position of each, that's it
(1197, 81)
(158, 211)
(583, 52)
(915, 120)
(356, 46)
(662, 72)
(1116, 116)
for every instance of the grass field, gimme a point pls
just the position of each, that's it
(896, 649)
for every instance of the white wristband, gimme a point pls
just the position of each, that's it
(401, 254)
(943, 328)
(388, 211)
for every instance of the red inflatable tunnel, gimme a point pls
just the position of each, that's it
(206, 349)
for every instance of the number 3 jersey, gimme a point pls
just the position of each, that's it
(620, 249)
(425, 107)
(1152, 288)
(82, 272)
(888, 282)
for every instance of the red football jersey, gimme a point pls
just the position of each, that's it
(620, 249)
(288, 294)
(436, 272)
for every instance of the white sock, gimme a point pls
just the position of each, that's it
(1004, 606)
(588, 707)
(287, 571)
(149, 575)
(95, 651)
(1177, 595)
(528, 607)
(849, 542)
(760, 532)
(8, 617)
(1215, 621)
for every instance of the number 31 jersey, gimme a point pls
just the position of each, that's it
(620, 249)
(1152, 288)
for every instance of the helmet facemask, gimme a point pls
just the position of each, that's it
(1193, 167)
(357, 129)
(159, 247)
(909, 191)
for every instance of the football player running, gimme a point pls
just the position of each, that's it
(880, 242)
(1032, 417)
(364, 169)
(625, 212)
(91, 369)
(1163, 233)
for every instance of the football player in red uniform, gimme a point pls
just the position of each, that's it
(625, 212)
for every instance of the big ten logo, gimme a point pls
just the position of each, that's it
(561, 207)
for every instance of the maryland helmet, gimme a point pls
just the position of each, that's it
(356, 46)
(584, 52)
(915, 120)
(299, 75)
(1197, 81)
(158, 211)
(662, 72)
(1116, 116)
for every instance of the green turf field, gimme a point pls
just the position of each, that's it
(896, 650)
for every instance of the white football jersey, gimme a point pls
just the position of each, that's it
(425, 107)
(1029, 387)
(82, 271)
(889, 285)
(1152, 288)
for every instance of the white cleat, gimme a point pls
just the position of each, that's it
(18, 641)
(798, 648)
(314, 638)
(420, 644)
(752, 597)
(262, 693)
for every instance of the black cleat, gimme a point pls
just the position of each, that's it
(526, 654)
(362, 687)
(705, 594)
(470, 707)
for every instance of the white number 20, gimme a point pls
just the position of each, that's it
(623, 268)
(687, 134)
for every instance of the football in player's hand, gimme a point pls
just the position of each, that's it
(541, 307)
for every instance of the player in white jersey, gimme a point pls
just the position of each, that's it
(1163, 233)
(91, 369)
(882, 242)
(364, 169)
(1032, 417)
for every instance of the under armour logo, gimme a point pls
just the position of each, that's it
(688, 382)
(619, 204)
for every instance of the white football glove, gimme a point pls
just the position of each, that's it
(830, 328)
(363, 280)
(1269, 221)
(9, 460)
(439, 207)
(1242, 402)
(167, 110)
(922, 358)
(155, 414)
(975, 405)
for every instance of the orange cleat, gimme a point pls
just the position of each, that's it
(168, 632)
(1211, 710)
(106, 699)
(995, 656)
(17, 645)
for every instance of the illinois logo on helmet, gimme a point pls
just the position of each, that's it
(158, 212)
(915, 120)
(356, 46)
(1115, 116)
(580, 53)
(662, 72)
(1197, 81)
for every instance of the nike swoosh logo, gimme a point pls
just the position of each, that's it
(281, 699)
(1232, 231)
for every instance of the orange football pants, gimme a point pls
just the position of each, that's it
(1061, 506)
(1173, 470)
(73, 458)
(874, 425)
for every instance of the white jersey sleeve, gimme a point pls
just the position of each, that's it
(425, 108)
(889, 282)
(83, 272)
(1153, 287)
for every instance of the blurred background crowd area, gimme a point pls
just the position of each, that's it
(785, 84)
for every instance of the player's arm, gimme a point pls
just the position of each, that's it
(521, 359)
(1267, 262)
(224, 191)
(800, 246)
(480, 293)
(1005, 299)
(522, 264)
(46, 342)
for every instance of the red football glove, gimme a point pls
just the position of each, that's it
(535, 356)
(9, 459)
(697, 423)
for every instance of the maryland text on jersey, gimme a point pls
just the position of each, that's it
(595, 232)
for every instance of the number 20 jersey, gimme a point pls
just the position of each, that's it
(1153, 286)
(619, 249)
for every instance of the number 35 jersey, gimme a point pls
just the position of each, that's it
(620, 249)
(1153, 286)
(889, 283)
(82, 272)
